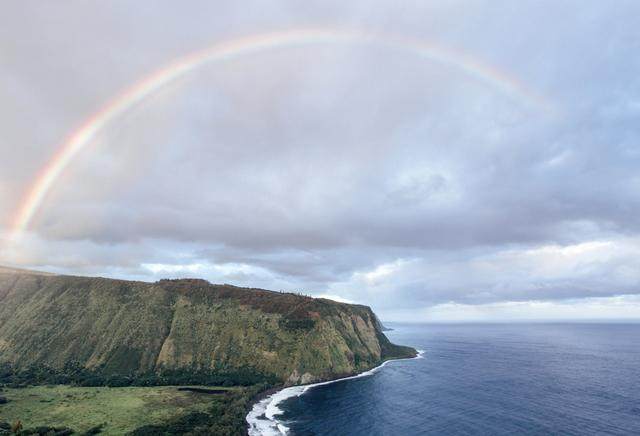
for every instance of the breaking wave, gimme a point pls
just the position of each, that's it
(263, 417)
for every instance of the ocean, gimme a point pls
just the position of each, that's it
(478, 379)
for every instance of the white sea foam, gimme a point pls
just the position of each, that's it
(263, 419)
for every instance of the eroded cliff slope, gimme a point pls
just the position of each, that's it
(123, 327)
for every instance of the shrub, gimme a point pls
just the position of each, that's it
(94, 430)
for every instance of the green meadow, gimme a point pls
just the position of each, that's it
(120, 409)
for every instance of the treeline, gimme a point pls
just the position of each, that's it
(16, 429)
(74, 374)
(225, 416)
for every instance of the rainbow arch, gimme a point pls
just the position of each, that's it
(80, 138)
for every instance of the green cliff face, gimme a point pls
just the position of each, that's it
(124, 327)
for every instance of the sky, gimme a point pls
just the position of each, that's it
(491, 176)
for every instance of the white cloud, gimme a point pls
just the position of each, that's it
(380, 274)
(334, 298)
(547, 272)
(622, 307)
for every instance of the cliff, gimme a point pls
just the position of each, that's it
(124, 327)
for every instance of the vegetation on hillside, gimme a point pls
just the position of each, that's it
(103, 332)
(76, 375)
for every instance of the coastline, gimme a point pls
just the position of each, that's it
(263, 409)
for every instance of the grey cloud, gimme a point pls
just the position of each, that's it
(311, 165)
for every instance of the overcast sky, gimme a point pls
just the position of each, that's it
(347, 170)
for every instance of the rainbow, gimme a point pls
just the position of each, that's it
(87, 131)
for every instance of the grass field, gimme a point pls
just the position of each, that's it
(120, 409)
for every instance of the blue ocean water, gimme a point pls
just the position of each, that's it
(489, 379)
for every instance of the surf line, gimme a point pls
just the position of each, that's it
(262, 418)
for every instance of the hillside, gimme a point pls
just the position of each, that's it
(75, 325)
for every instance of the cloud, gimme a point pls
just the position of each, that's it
(622, 307)
(544, 273)
(348, 170)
